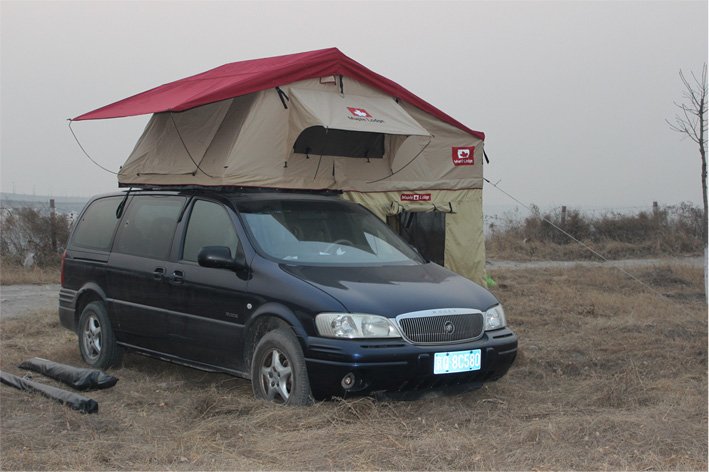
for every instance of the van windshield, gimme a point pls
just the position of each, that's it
(323, 233)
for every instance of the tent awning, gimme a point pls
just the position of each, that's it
(325, 123)
(241, 78)
(352, 112)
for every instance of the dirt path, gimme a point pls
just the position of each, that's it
(18, 300)
(695, 261)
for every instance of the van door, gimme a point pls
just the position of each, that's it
(138, 268)
(209, 306)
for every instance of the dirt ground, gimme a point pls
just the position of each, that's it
(21, 300)
(609, 377)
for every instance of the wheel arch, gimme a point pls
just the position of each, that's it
(87, 294)
(269, 317)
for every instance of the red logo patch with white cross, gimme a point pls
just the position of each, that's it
(463, 156)
(360, 112)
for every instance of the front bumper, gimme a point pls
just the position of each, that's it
(398, 366)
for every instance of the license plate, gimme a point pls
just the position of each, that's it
(459, 361)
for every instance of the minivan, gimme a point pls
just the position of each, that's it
(307, 295)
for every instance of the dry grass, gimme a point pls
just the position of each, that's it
(671, 231)
(610, 377)
(14, 274)
(514, 248)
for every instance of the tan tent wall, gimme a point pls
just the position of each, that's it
(465, 242)
(246, 141)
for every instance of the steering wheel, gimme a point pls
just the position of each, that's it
(338, 241)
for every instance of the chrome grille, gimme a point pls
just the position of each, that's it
(441, 326)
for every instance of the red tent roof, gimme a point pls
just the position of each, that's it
(240, 78)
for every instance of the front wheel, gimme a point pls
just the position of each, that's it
(97, 342)
(278, 372)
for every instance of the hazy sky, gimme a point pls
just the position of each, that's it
(572, 96)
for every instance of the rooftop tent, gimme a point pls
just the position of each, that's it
(267, 122)
(314, 120)
(255, 141)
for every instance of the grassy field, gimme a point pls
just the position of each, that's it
(610, 377)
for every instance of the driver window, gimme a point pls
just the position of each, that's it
(209, 225)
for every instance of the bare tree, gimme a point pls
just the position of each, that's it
(692, 122)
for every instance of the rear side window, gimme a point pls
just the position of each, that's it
(149, 226)
(209, 225)
(97, 225)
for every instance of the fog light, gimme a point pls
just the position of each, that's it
(348, 381)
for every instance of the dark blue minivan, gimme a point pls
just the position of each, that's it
(309, 296)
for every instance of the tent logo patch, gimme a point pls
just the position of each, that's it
(463, 156)
(415, 197)
(360, 112)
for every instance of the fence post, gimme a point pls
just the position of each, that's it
(52, 224)
(563, 216)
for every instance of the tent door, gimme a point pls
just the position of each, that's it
(425, 231)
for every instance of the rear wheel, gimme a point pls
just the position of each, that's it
(278, 372)
(97, 342)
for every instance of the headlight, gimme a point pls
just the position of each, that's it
(495, 318)
(355, 325)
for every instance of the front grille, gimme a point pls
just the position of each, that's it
(441, 326)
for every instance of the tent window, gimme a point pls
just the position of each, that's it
(318, 141)
(425, 231)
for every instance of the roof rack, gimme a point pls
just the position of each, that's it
(230, 189)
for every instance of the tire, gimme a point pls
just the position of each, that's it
(278, 372)
(97, 343)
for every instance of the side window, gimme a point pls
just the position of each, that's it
(98, 224)
(149, 226)
(209, 225)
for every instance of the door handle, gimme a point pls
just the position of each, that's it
(177, 277)
(159, 274)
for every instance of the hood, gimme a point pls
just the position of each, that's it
(393, 290)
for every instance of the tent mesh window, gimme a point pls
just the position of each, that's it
(425, 231)
(318, 141)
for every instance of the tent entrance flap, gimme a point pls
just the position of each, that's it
(326, 123)
(425, 231)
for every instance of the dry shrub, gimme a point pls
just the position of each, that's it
(671, 230)
(27, 230)
(609, 377)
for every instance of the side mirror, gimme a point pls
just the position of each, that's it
(217, 257)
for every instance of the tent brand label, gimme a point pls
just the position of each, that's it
(463, 156)
(360, 112)
(415, 197)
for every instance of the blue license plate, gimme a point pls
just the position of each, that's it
(458, 361)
